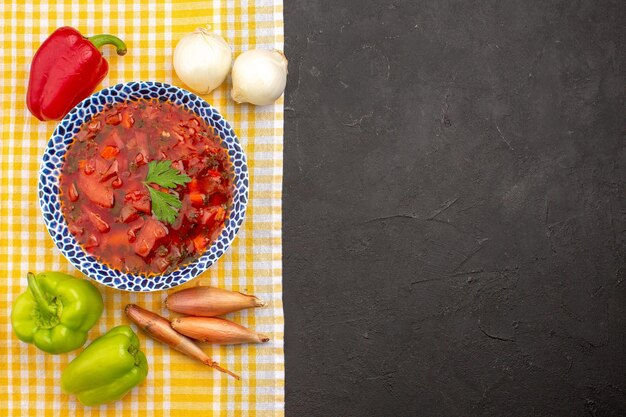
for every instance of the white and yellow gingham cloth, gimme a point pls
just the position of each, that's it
(176, 385)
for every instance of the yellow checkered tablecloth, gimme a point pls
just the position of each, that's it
(176, 385)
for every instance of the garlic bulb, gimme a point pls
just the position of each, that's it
(259, 76)
(202, 60)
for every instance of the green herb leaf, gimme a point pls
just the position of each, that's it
(165, 206)
(162, 173)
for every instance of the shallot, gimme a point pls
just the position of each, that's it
(210, 301)
(216, 330)
(159, 328)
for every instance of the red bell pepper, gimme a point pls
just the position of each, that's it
(65, 70)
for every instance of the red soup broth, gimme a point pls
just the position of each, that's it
(104, 196)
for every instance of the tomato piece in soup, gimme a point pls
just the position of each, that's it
(97, 192)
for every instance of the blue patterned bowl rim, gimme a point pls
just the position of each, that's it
(54, 157)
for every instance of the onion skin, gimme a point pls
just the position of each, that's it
(210, 301)
(216, 330)
(202, 60)
(259, 76)
(159, 328)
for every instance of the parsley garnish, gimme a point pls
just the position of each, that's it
(162, 173)
(165, 206)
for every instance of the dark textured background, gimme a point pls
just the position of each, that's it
(455, 208)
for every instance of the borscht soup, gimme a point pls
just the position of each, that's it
(146, 186)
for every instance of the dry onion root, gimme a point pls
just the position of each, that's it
(210, 301)
(216, 330)
(160, 329)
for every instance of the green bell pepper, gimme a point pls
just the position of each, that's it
(107, 369)
(57, 311)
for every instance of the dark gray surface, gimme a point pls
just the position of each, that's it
(454, 208)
